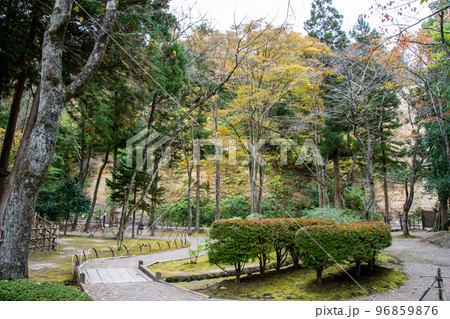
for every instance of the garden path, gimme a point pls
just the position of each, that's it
(420, 259)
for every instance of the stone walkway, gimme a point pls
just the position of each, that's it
(420, 264)
(118, 279)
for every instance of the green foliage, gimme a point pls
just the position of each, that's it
(338, 215)
(318, 242)
(239, 241)
(325, 25)
(235, 207)
(30, 290)
(362, 32)
(353, 199)
(324, 245)
(119, 184)
(61, 198)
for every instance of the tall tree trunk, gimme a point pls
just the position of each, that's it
(253, 168)
(260, 188)
(410, 182)
(94, 198)
(443, 211)
(337, 181)
(153, 199)
(82, 151)
(153, 215)
(23, 146)
(409, 198)
(189, 169)
(84, 158)
(369, 205)
(8, 140)
(114, 172)
(37, 157)
(133, 225)
(385, 188)
(216, 158)
(189, 205)
(197, 198)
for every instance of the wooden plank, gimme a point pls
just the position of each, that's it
(93, 276)
(127, 277)
(115, 275)
(105, 276)
(140, 275)
(137, 277)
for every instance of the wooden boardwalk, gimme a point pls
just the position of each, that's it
(115, 275)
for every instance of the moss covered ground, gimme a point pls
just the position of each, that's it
(296, 284)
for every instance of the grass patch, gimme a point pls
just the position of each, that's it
(57, 266)
(183, 267)
(300, 284)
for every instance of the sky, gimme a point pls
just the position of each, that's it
(223, 13)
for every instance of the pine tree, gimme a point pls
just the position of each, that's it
(325, 25)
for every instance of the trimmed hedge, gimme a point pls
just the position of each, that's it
(323, 246)
(30, 290)
(317, 243)
(239, 241)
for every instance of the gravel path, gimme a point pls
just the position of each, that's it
(141, 291)
(419, 259)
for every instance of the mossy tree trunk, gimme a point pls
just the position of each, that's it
(319, 272)
(237, 269)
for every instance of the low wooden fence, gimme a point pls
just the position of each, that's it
(44, 235)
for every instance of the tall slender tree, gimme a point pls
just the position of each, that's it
(325, 24)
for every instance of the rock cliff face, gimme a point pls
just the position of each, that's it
(397, 199)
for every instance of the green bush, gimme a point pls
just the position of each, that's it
(230, 245)
(30, 290)
(324, 245)
(239, 241)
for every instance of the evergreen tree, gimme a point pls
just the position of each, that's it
(362, 32)
(325, 24)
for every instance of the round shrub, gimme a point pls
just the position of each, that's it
(30, 290)
(324, 245)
